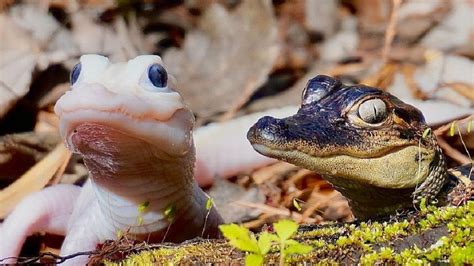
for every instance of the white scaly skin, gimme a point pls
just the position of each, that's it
(137, 144)
(136, 140)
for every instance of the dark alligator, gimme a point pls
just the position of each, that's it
(375, 149)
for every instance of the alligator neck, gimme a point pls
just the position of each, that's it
(141, 190)
(368, 201)
(435, 180)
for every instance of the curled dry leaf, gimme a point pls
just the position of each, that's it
(92, 37)
(442, 70)
(30, 37)
(227, 58)
(16, 63)
(224, 193)
(416, 18)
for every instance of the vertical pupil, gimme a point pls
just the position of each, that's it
(76, 70)
(158, 76)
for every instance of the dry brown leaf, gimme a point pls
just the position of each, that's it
(452, 152)
(408, 71)
(463, 126)
(47, 122)
(278, 169)
(33, 180)
(418, 17)
(120, 42)
(227, 58)
(17, 62)
(465, 89)
(275, 211)
(224, 193)
(30, 37)
(382, 78)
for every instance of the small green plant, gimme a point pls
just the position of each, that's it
(241, 238)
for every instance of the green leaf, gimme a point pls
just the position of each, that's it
(294, 247)
(209, 203)
(265, 242)
(240, 237)
(285, 229)
(253, 260)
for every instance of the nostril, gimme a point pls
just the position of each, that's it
(267, 128)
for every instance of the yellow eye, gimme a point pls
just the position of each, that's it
(373, 111)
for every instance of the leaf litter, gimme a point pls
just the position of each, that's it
(227, 53)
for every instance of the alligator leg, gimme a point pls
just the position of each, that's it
(48, 210)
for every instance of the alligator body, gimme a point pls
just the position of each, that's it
(375, 149)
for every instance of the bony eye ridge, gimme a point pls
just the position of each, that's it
(158, 76)
(373, 111)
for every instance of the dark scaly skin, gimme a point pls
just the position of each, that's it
(380, 168)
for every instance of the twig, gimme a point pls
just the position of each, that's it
(58, 259)
(276, 211)
(452, 152)
(462, 125)
(390, 32)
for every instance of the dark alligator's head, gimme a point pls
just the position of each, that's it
(366, 142)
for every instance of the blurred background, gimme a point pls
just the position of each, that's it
(234, 57)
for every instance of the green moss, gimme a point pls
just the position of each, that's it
(368, 242)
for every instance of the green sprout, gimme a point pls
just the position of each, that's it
(296, 204)
(452, 128)
(142, 208)
(209, 204)
(169, 212)
(426, 133)
(241, 238)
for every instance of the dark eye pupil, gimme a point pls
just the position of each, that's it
(158, 76)
(76, 70)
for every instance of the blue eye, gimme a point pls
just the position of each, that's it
(76, 70)
(158, 76)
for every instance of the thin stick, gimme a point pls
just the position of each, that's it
(390, 32)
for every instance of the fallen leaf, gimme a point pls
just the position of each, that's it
(31, 38)
(453, 31)
(224, 193)
(33, 180)
(19, 152)
(227, 58)
(17, 62)
(446, 69)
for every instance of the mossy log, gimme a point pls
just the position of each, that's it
(431, 235)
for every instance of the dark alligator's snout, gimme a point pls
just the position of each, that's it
(267, 129)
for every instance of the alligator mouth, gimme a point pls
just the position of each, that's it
(167, 126)
(273, 145)
(391, 170)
